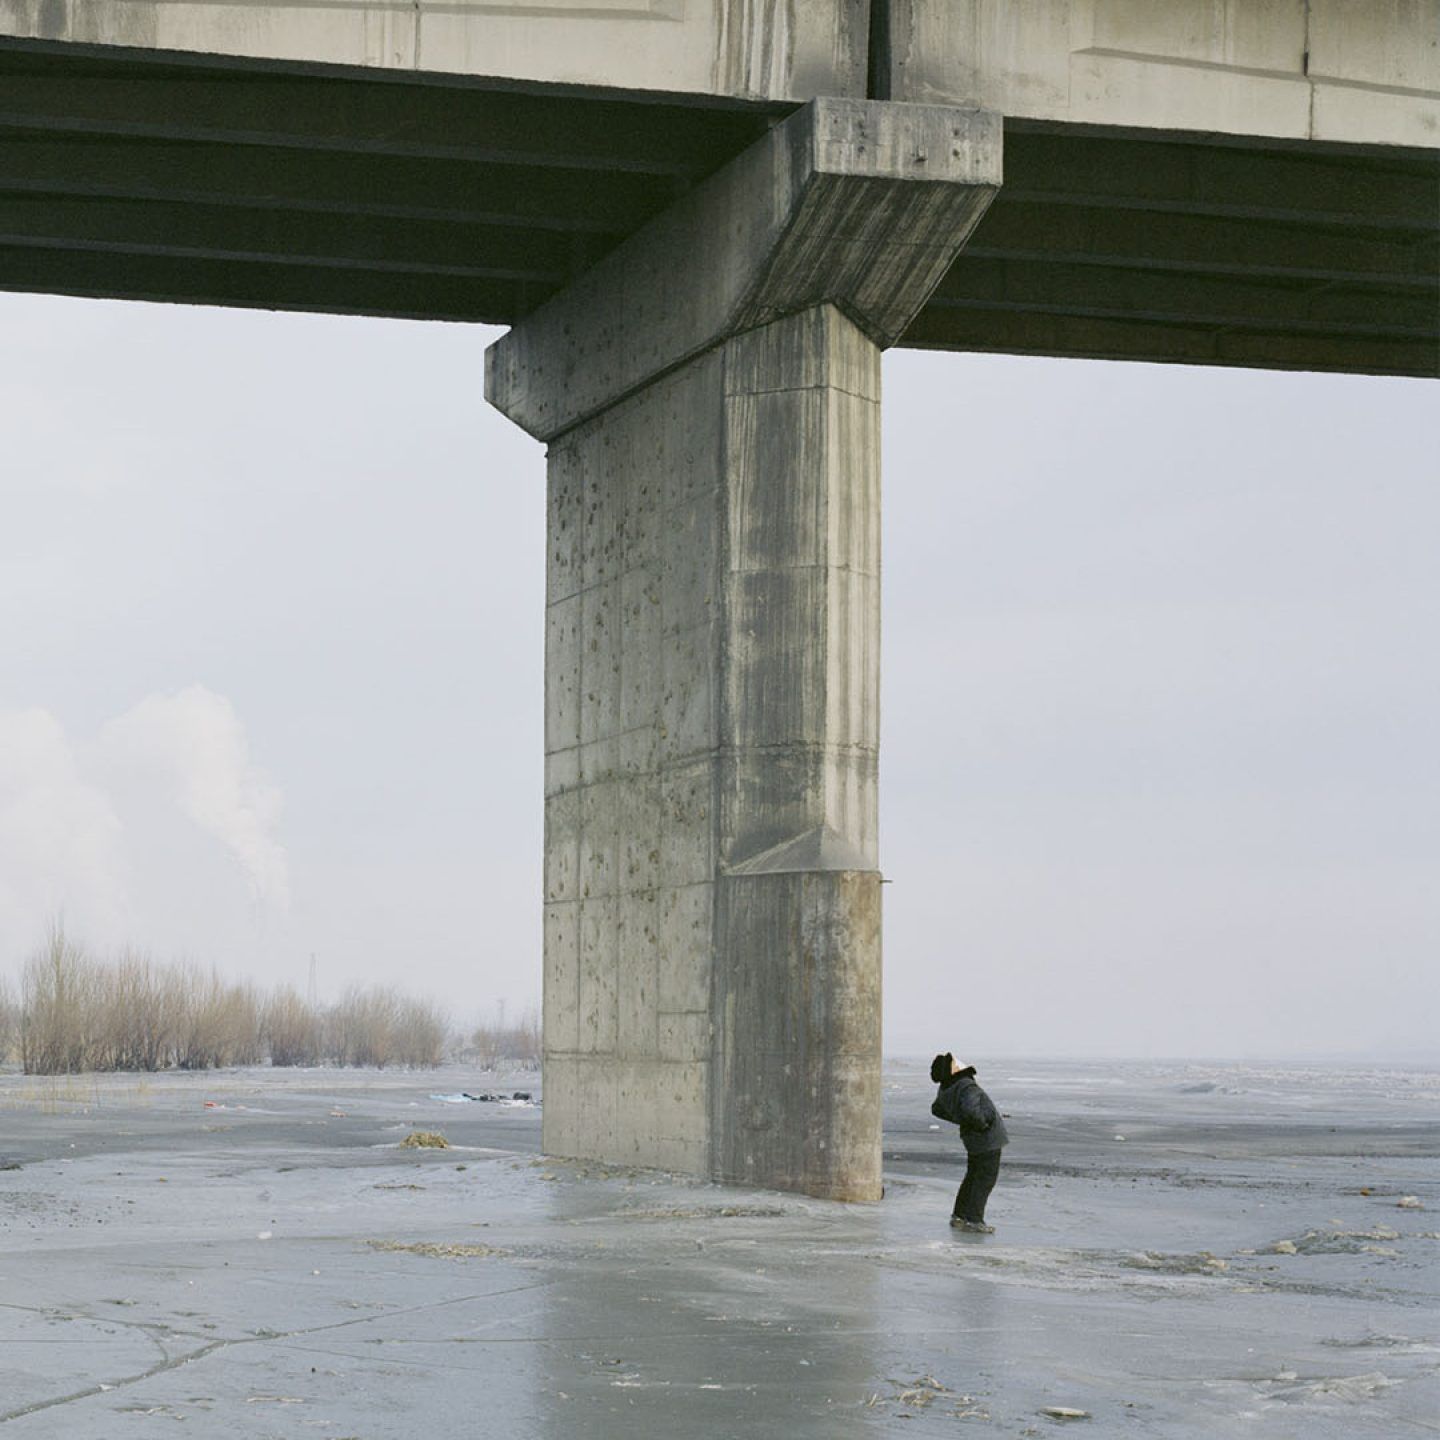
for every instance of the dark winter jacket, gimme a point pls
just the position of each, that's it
(962, 1102)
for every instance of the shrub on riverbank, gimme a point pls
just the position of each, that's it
(77, 1013)
(495, 1043)
(9, 1021)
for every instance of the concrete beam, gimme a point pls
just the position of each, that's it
(1341, 70)
(465, 191)
(1200, 250)
(367, 116)
(1246, 302)
(855, 203)
(1325, 70)
(789, 49)
(258, 284)
(711, 396)
(383, 244)
(1311, 184)
(1167, 341)
(1203, 244)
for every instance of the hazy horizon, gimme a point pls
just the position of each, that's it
(1158, 767)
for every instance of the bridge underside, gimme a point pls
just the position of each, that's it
(201, 180)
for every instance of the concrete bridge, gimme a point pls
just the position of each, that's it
(704, 220)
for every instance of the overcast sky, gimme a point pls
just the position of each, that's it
(1161, 692)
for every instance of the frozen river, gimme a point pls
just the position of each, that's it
(1181, 1250)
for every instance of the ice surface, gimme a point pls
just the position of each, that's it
(1239, 1265)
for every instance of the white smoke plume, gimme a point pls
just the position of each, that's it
(80, 822)
(193, 744)
(59, 835)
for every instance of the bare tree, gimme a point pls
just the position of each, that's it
(363, 1026)
(58, 1008)
(9, 1021)
(420, 1033)
(294, 1029)
(493, 1043)
(219, 1023)
(135, 1029)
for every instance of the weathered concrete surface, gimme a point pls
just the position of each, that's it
(712, 673)
(1302, 69)
(1337, 70)
(711, 394)
(1332, 70)
(848, 202)
(796, 1095)
(789, 49)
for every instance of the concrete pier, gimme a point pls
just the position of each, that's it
(710, 394)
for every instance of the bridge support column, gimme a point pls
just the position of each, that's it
(710, 394)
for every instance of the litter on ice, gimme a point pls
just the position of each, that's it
(463, 1097)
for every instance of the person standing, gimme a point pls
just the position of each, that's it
(962, 1102)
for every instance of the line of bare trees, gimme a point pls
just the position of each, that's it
(76, 1013)
(496, 1043)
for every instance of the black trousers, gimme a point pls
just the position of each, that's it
(981, 1172)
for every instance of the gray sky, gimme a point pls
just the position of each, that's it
(1161, 692)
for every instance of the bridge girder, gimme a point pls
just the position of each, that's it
(131, 174)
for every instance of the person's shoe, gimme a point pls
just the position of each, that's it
(977, 1227)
